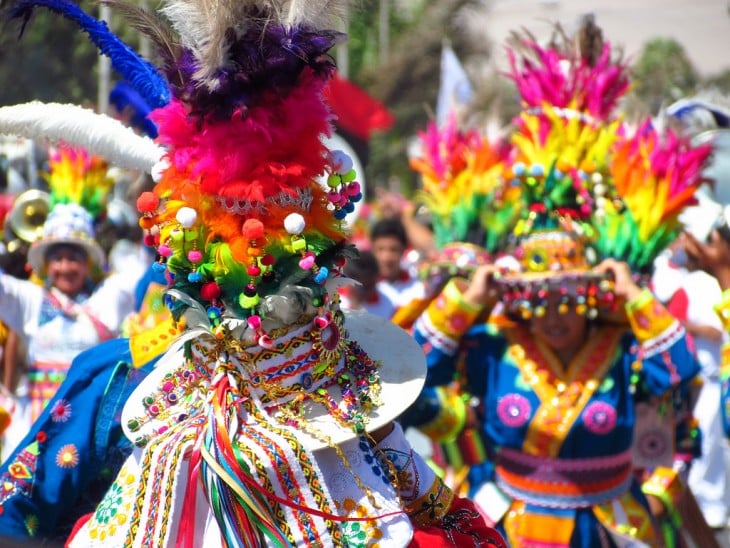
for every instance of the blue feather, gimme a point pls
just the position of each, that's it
(143, 77)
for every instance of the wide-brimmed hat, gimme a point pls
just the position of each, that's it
(382, 365)
(68, 224)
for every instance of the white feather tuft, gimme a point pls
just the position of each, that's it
(97, 133)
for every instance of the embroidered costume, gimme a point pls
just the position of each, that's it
(560, 441)
(595, 201)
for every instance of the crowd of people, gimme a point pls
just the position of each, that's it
(543, 359)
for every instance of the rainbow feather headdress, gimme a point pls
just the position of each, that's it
(461, 172)
(591, 187)
(268, 368)
(79, 188)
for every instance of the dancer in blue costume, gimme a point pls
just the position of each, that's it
(557, 387)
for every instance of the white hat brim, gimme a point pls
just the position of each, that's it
(39, 248)
(402, 375)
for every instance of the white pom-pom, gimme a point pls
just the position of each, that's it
(158, 169)
(341, 161)
(186, 216)
(294, 223)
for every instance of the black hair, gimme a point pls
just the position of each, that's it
(389, 228)
(362, 265)
(66, 245)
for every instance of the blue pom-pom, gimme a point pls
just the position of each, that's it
(536, 170)
(214, 312)
(518, 169)
(158, 267)
(321, 276)
(340, 214)
(195, 277)
(357, 197)
(349, 207)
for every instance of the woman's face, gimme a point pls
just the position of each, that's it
(561, 332)
(67, 268)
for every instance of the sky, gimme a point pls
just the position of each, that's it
(701, 26)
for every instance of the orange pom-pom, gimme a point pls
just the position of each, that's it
(253, 229)
(147, 222)
(148, 202)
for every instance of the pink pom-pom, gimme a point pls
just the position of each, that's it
(195, 256)
(253, 270)
(266, 342)
(333, 196)
(164, 250)
(353, 189)
(254, 322)
(321, 322)
(148, 202)
(267, 260)
(307, 262)
(253, 229)
(210, 291)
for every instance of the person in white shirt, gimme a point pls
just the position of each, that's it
(389, 244)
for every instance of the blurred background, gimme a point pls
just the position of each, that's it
(403, 53)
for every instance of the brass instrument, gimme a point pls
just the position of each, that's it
(24, 222)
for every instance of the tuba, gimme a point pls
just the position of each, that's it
(24, 222)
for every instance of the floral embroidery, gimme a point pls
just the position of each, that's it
(358, 534)
(61, 411)
(18, 480)
(514, 410)
(31, 525)
(67, 456)
(599, 417)
(114, 509)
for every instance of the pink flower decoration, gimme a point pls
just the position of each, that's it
(514, 410)
(61, 411)
(599, 417)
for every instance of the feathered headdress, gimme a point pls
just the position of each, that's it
(461, 172)
(592, 189)
(77, 177)
(79, 187)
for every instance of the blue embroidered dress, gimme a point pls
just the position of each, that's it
(560, 440)
(71, 455)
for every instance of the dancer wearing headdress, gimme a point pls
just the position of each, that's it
(557, 390)
(268, 421)
(75, 308)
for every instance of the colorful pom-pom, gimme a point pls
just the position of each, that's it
(252, 229)
(294, 223)
(267, 260)
(253, 271)
(148, 202)
(321, 276)
(195, 256)
(254, 322)
(186, 216)
(210, 291)
(266, 342)
(307, 261)
(340, 161)
(164, 250)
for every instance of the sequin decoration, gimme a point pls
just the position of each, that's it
(514, 410)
